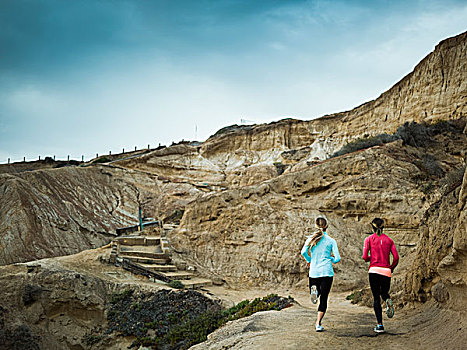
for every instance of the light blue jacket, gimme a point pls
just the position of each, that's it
(321, 260)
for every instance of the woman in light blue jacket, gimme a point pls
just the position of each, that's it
(320, 252)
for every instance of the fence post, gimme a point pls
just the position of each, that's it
(39, 157)
(97, 155)
(135, 148)
(110, 153)
(8, 160)
(148, 146)
(123, 150)
(82, 158)
(68, 158)
(24, 159)
(54, 157)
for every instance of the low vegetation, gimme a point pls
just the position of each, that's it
(411, 133)
(176, 284)
(103, 159)
(16, 337)
(365, 143)
(177, 319)
(355, 297)
(452, 180)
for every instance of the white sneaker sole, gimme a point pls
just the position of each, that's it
(314, 295)
(389, 308)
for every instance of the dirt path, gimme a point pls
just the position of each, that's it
(347, 326)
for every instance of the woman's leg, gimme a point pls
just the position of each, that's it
(375, 285)
(385, 285)
(324, 288)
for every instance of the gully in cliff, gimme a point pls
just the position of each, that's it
(320, 252)
(376, 250)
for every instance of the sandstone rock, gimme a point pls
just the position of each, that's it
(255, 233)
(439, 268)
(62, 211)
(440, 292)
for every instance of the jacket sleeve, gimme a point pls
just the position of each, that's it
(335, 251)
(366, 249)
(395, 256)
(304, 251)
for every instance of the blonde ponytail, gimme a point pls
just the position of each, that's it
(322, 224)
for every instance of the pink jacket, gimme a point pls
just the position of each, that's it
(379, 248)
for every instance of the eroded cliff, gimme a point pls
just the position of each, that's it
(253, 235)
(440, 265)
(52, 212)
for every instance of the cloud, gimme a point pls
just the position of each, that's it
(85, 77)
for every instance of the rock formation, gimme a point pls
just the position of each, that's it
(440, 267)
(247, 196)
(52, 212)
(253, 235)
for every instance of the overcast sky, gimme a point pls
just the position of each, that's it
(81, 77)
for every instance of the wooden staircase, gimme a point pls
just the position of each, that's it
(150, 256)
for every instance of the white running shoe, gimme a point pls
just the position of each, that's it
(319, 328)
(314, 294)
(389, 308)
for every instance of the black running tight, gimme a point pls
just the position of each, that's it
(379, 285)
(323, 285)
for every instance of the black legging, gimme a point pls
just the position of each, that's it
(323, 285)
(379, 285)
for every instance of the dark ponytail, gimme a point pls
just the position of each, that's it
(377, 225)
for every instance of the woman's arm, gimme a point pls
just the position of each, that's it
(395, 256)
(335, 252)
(366, 249)
(305, 249)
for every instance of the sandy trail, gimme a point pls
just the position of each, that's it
(347, 326)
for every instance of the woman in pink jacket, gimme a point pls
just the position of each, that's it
(376, 250)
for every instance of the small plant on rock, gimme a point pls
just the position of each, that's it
(176, 284)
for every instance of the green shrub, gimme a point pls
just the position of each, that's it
(364, 143)
(280, 168)
(421, 135)
(355, 297)
(119, 296)
(429, 166)
(103, 159)
(178, 319)
(176, 284)
(194, 331)
(452, 180)
(411, 133)
(414, 134)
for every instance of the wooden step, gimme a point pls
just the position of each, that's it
(178, 275)
(139, 240)
(144, 260)
(144, 254)
(196, 282)
(162, 268)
